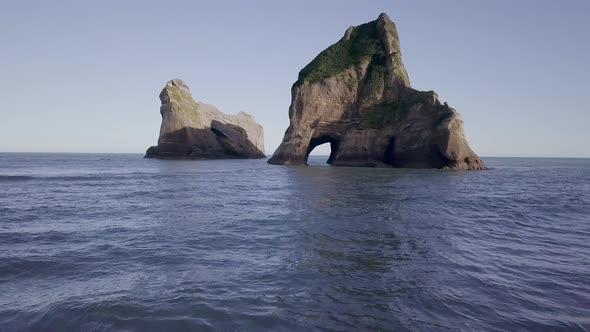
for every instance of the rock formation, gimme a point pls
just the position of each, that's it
(356, 95)
(191, 130)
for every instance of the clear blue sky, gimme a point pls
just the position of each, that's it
(84, 76)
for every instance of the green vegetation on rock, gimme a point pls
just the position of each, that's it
(382, 114)
(376, 76)
(416, 97)
(362, 46)
(182, 102)
(386, 114)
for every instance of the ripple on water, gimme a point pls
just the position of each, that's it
(124, 243)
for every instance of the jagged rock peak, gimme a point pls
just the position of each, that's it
(374, 44)
(177, 83)
(199, 131)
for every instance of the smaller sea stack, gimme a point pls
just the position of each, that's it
(192, 130)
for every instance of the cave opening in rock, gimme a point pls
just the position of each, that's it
(217, 132)
(389, 156)
(314, 142)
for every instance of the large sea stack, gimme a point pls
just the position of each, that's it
(192, 130)
(356, 95)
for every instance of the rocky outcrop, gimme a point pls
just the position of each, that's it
(191, 130)
(356, 95)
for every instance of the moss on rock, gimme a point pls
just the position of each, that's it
(381, 115)
(362, 46)
(387, 114)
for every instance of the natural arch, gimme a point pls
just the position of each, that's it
(334, 144)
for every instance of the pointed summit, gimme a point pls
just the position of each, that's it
(374, 44)
(383, 17)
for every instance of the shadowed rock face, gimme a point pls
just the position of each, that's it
(191, 130)
(356, 95)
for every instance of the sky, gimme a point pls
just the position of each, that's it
(84, 76)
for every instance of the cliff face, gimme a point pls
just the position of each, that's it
(356, 95)
(192, 130)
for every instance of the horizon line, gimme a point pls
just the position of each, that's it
(270, 155)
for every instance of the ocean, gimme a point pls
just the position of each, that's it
(115, 242)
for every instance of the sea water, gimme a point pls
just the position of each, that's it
(116, 242)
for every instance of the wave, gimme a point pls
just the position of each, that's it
(15, 178)
(10, 178)
(82, 177)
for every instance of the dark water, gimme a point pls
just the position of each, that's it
(117, 242)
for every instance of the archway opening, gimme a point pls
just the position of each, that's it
(314, 142)
(389, 156)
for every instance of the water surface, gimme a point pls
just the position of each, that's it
(116, 242)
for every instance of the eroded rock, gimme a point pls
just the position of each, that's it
(356, 95)
(192, 130)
